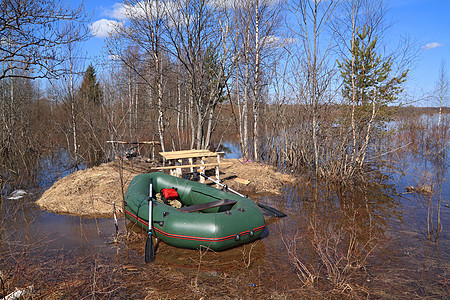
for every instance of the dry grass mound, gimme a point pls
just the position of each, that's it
(91, 192)
(263, 179)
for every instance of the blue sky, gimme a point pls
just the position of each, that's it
(427, 22)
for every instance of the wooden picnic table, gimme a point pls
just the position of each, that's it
(176, 164)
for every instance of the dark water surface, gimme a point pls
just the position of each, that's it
(401, 251)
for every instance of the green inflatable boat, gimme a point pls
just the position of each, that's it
(207, 217)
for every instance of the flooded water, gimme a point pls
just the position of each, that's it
(378, 241)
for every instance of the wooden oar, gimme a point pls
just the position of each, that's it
(149, 247)
(270, 210)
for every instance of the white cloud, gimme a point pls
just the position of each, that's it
(431, 46)
(123, 13)
(239, 3)
(114, 57)
(141, 9)
(225, 3)
(104, 28)
(119, 11)
(277, 42)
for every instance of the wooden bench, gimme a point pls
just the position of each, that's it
(207, 205)
(176, 159)
(189, 154)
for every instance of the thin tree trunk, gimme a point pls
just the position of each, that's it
(443, 88)
(246, 98)
(199, 127)
(179, 113)
(160, 95)
(353, 157)
(191, 119)
(73, 113)
(238, 101)
(207, 143)
(130, 107)
(257, 87)
(136, 105)
(315, 94)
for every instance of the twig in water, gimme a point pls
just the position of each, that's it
(116, 224)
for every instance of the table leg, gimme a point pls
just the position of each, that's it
(217, 170)
(191, 162)
(179, 172)
(202, 170)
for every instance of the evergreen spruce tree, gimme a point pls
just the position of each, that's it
(90, 92)
(90, 118)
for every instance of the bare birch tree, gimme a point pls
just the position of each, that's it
(267, 25)
(69, 126)
(145, 31)
(442, 88)
(258, 23)
(196, 42)
(31, 35)
(313, 19)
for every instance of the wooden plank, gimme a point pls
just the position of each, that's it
(190, 155)
(194, 166)
(189, 150)
(182, 154)
(207, 205)
(184, 151)
(243, 181)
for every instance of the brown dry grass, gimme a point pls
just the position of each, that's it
(91, 192)
(264, 179)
